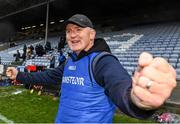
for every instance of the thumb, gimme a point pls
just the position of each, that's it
(145, 59)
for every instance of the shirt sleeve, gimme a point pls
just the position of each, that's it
(118, 84)
(53, 76)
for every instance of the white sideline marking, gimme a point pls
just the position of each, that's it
(11, 93)
(17, 92)
(3, 118)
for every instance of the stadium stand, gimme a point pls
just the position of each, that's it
(162, 40)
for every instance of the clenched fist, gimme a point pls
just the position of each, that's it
(11, 73)
(153, 82)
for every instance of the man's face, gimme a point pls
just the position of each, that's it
(79, 38)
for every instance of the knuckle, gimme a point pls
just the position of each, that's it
(169, 76)
(173, 71)
(159, 60)
(173, 83)
(158, 102)
(136, 90)
(142, 81)
(146, 70)
(166, 94)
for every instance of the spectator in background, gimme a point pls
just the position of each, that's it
(32, 49)
(61, 43)
(39, 50)
(47, 46)
(52, 62)
(89, 95)
(18, 55)
(24, 52)
(12, 44)
(24, 56)
(24, 48)
(29, 53)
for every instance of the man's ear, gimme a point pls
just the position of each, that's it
(92, 34)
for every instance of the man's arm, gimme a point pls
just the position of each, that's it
(152, 84)
(53, 76)
(118, 84)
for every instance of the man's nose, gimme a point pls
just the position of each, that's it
(73, 34)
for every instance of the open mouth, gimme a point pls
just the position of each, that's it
(75, 42)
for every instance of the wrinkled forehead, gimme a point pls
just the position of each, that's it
(72, 25)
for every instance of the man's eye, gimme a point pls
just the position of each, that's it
(78, 29)
(67, 31)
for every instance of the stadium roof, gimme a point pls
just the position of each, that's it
(22, 12)
(17, 14)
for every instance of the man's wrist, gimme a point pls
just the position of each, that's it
(136, 101)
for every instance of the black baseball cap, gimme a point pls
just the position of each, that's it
(80, 20)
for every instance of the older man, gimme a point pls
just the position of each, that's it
(90, 95)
